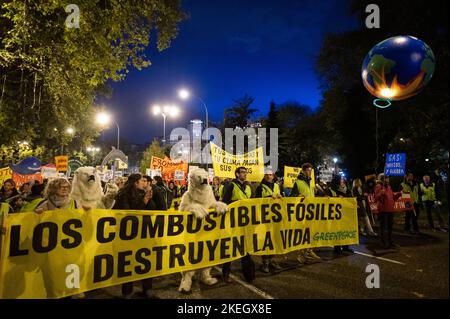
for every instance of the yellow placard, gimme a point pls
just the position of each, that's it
(65, 252)
(225, 163)
(62, 163)
(5, 173)
(291, 174)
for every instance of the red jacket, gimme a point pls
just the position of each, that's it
(385, 202)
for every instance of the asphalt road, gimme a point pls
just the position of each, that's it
(418, 269)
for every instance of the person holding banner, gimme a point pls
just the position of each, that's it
(338, 188)
(133, 197)
(410, 186)
(56, 196)
(385, 199)
(239, 189)
(304, 188)
(269, 188)
(363, 207)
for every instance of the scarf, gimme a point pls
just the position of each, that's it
(59, 202)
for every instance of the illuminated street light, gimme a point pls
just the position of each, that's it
(171, 110)
(93, 150)
(104, 119)
(184, 94)
(70, 130)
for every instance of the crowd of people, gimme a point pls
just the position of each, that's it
(141, 192)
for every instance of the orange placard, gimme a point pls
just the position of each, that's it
(168, 168)
(62, 163)
(20, 179)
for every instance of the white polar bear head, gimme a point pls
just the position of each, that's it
(198, 179)
(86, 185)
(86, 175)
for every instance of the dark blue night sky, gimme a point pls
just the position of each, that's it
(226, 49)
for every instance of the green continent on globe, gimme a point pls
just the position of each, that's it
(379, 65)
(427, 66)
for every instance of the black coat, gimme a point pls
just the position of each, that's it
(133, 200)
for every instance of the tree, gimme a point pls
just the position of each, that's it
(240, 113)
(154, 149)
(301, 135)
(51, 75)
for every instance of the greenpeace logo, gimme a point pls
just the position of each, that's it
(334, 235)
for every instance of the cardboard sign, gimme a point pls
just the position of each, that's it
(62, 163)
(395, 164)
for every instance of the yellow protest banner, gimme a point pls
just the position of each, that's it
(5, 173)
(50, 255)
(225, 163)
(291, 174)
(175, 203)
(62, 163)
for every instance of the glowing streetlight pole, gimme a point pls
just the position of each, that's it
(70, 131)
(93, 150)
(185, 94)
(335, 160)
(104, 119)
(166, 110)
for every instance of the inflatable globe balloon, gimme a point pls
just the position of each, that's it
(397, 68)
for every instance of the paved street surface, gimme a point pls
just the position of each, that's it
(418, 269)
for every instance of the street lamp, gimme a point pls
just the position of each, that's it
(166, 110)
(104, 119)
(69, 131)
(335, 160)
(93, 150)
(184, 95)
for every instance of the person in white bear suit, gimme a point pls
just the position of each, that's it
(87, 189)
(198, 199)
(87, 192)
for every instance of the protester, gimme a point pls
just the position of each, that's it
(431, 203)
(133, 197)
(320, 189)
(216, 185)
(304, 188)
(410, 186)
(119, 181)
(268, 188)
(363, 208)
(56, 196)
(17, 203)
(385, 199)
(338, 188)
(160, 193)
(283, 190)
(239, 189)
(172, 190)
(25, 190)
(8, 190)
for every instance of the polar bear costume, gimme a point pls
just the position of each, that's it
(198, 199)
(87, 189)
